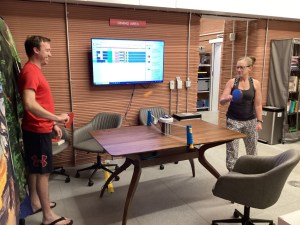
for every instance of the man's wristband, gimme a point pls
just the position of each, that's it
(260, 121)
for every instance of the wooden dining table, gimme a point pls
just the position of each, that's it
(144, 146)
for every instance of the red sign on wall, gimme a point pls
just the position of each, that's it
(127, 23)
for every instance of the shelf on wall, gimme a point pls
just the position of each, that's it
(203, 109)
(295, 69)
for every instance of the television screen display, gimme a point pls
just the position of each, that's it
(119, 61)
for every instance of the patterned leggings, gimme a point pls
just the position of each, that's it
(247, 127)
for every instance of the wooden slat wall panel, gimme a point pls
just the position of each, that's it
(240, 50)
(209, 29)
(45, 18)
(171, 27)
(211, 25)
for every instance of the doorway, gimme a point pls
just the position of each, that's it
(215, 73)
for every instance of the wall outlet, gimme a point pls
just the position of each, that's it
(232, 36)
(188, 83)
(172, 85)
(201, 49)
(179, 83)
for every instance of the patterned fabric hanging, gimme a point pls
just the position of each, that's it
(12, 170)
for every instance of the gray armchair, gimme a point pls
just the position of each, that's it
(157, 112)
(83, 141)
(257, 182)
(56, 149)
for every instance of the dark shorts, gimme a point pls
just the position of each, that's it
(38, 152)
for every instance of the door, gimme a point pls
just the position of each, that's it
(215, 73)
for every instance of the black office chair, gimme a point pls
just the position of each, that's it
(257, 182)
(83, 141)
(56, 149)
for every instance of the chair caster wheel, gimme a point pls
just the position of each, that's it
(77, 175)
(91, 183)
(117, 178)
(161, 167)
(176, 162)
(235, 214)
(67, 180)
(249, 223)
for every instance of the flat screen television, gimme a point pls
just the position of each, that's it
(120, 61)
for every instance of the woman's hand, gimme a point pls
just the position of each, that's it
(258, 126)
(226, 99)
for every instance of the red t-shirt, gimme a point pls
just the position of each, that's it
(31, 77)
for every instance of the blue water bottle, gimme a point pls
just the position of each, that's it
(149, 118)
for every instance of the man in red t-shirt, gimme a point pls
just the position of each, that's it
(38, 123)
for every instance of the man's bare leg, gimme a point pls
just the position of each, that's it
(42, 192)
(34, 198)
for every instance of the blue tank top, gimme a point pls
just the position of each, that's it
(244, 109)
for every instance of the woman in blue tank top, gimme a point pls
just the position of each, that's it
(244, 113)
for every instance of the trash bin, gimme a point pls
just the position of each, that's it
(272, 126)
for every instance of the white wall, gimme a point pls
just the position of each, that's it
(289, 10)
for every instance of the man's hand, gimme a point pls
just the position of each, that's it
(58, 132)
(63, 118)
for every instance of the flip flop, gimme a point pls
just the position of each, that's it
(58, 220)
(40, 209)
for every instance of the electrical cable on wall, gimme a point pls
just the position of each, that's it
(129, 103)
(172, 87)
(265, 52)
(177, 101)
(246, 41)
(232, 48)
(170, 109)
(179, 86)
(188, 59)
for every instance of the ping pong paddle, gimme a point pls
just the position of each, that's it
(71, 116)
(237, 95)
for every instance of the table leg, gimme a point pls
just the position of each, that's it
(132, 188)
(193, 166)
(203, 160)
(125, 165)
